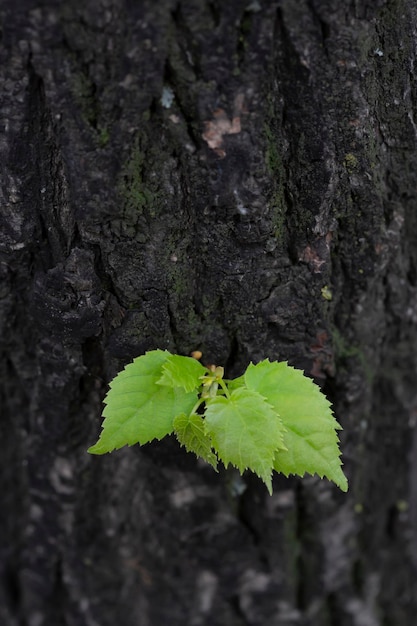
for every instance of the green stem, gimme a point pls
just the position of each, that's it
(224, 387)
(197, 405)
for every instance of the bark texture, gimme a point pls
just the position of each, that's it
(236, 177)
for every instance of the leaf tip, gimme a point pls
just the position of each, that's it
(343, 484)
(97, 449)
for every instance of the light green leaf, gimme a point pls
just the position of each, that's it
(310, 428)
(245, 431)
(138, 409)
(182, 371)
(189, 430)
(235, 383)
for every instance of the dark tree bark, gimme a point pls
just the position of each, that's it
(236, 177)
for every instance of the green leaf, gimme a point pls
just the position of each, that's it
(189, 430)
(138, 409)
(310, 428)
(235, 383)
(245, 431)
(182, 371)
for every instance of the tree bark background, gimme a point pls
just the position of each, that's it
(236, 177)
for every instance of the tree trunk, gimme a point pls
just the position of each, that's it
(235, 177)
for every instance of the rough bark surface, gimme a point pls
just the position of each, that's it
(236, 177)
